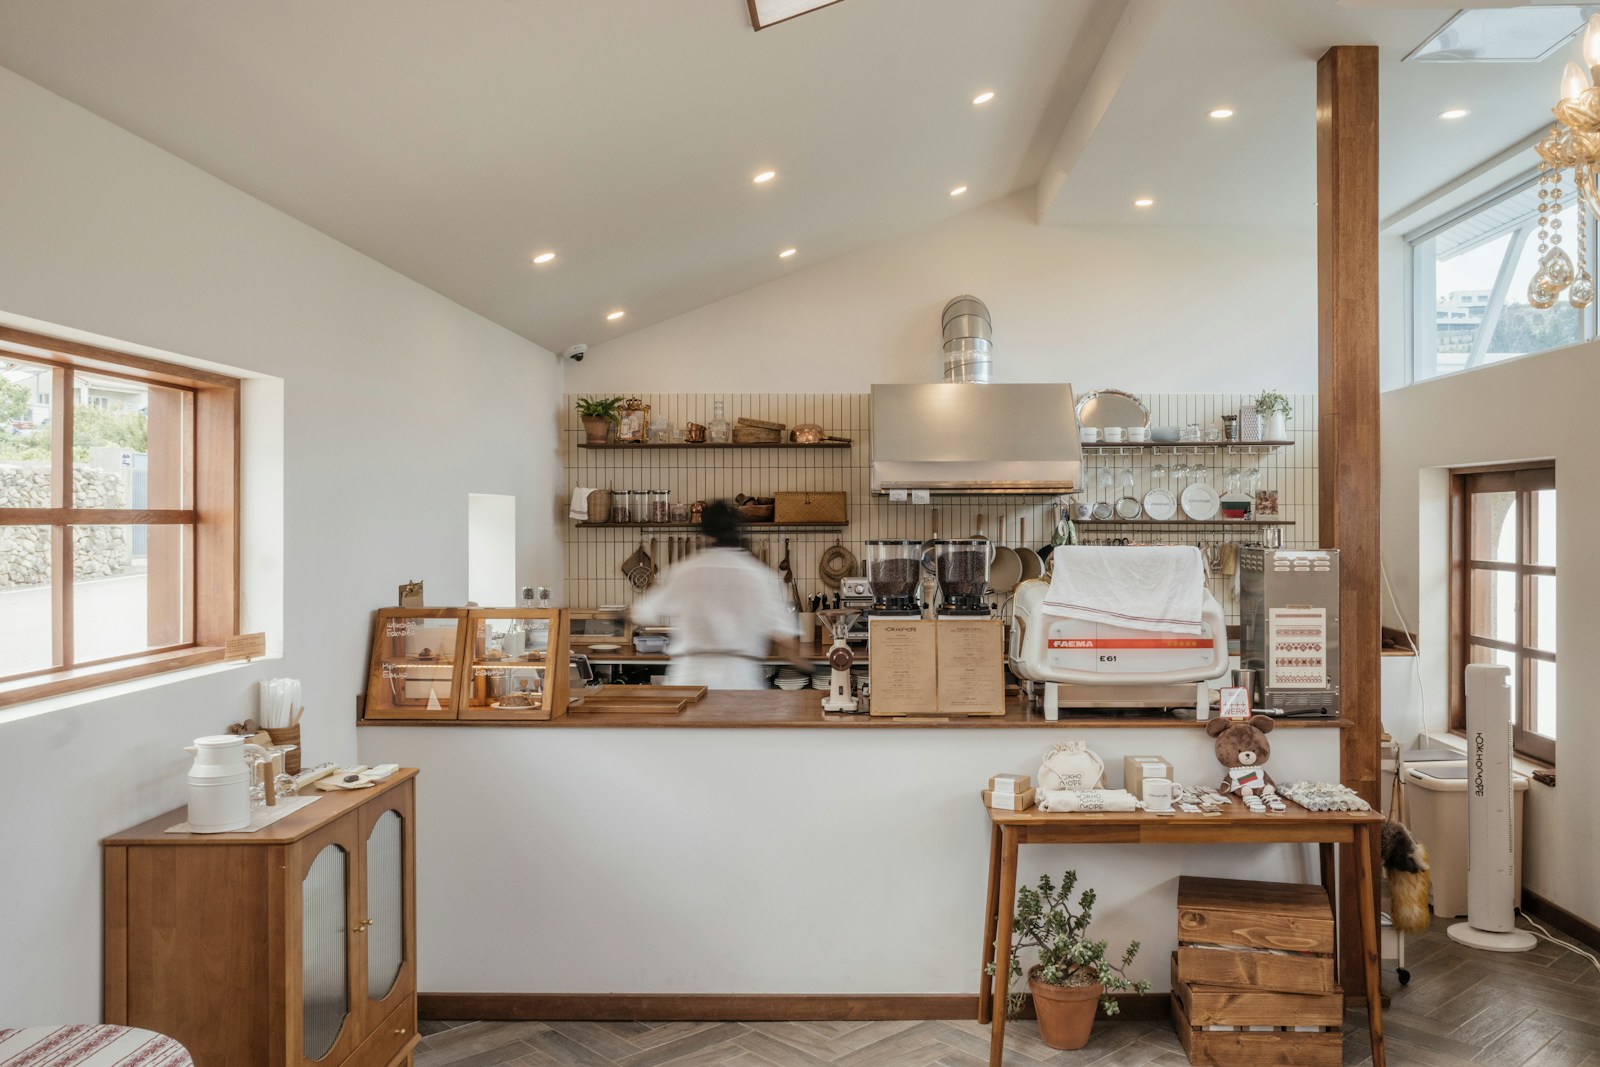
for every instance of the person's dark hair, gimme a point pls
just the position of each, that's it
(720, 522)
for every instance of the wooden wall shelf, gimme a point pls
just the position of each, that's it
(1244, 448)
(708, 447)
(695, 525)
(1184, 522)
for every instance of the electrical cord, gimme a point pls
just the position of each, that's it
(1545, 935)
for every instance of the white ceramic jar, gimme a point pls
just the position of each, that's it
(219, 784)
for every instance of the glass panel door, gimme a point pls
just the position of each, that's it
(325, 970)
(385, 905)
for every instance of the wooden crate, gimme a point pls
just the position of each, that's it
(1260, 915)
(1253, 969)
(1256, 1048)
(1220, 1006)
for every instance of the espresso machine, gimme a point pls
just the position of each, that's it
(962, 568)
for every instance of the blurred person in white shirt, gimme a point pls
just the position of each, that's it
(727, 612)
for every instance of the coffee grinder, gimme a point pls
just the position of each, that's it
(895, 569)
(840, 658)
(962, 567)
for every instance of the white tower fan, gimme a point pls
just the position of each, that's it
(1491, 807)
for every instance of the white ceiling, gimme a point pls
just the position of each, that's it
(454, 141)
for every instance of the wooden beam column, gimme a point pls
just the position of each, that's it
(1347, 403)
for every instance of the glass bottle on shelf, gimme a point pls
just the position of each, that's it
(660, 506)
(717, 428)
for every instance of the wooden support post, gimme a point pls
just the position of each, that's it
(1347, 401)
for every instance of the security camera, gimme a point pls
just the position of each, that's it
(576, 352)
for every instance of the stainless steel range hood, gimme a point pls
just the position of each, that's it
(961, 438)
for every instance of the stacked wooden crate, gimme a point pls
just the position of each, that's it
(1252, 979)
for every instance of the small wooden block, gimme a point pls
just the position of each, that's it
(1277, 915)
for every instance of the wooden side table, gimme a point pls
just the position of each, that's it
(1010, 830)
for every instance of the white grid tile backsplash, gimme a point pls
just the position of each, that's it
(594, 554)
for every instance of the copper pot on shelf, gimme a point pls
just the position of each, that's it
(694, 433)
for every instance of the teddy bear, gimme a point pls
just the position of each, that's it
(1242, 748)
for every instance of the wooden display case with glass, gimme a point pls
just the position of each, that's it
(416, 658)
(508, 674)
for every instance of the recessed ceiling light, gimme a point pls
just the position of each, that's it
(615, 315)
(1143, 201)
(984, 97)
(958, 190)
(764, 177)
(1455, 113)
(544, 257)
(1221, 112)
(787, 252)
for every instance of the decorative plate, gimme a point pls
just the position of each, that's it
(1102, 511)
(605, 648)
(1200, 502)
(1128, 508)
(1159, 504)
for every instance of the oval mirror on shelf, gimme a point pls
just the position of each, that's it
(1111, 407)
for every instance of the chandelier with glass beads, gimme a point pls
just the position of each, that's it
(1572, 146)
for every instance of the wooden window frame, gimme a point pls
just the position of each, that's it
(1524, 479)
(211, 556)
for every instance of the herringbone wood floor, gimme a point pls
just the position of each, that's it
(1462, 1007)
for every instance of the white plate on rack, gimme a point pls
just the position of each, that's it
(1200, 502)
(1159, 504)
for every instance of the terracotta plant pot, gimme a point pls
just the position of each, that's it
(1066, 1013)
(595, 429)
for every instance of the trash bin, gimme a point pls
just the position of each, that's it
(1435, 798)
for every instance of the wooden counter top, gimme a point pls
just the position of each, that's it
(769, 708)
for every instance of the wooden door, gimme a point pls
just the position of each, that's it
(386, 963)
(322, 1017)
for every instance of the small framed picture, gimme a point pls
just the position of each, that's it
(411, 595)
(1235, 702)
(1266, 502)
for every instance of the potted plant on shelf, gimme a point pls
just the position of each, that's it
(1274, 407)
(598, 415)
(1073, 975)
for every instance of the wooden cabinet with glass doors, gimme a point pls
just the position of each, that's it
(294, 946)
(478, 664)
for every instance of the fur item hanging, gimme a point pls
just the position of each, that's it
(1405, 863)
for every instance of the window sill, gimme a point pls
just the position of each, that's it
(1457, 739)
(36, 696)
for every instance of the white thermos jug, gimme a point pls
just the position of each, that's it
(219, 784)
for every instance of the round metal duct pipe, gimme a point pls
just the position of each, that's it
(967, 328)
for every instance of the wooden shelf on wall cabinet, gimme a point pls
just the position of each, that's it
(1183, 522)
(696, 525)
(1232, 447)
(708, 447)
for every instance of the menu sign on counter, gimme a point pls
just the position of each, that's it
(902, 666)
(948, 667)
(972, 671)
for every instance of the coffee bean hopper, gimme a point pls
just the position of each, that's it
(962, 567)
(895, 569)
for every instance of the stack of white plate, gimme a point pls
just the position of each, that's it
(821, 676)
(790, 678)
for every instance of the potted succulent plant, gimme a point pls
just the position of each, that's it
(1275, 408)
(1073, 975)
(598, 415)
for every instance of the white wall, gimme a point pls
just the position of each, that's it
(1537, 407)
(388, 391)
(1144, 308)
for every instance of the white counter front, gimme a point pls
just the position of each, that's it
(766, 860)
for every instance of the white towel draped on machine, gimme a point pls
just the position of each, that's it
(1157, 587)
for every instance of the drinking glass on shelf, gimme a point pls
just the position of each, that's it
(1214, 434)
(1252, 481)
(1231, 480)
(1105, 481)
(1127, 481)
(1180, 473)
(1158, 473)
(1191, 431)
(1202, 473)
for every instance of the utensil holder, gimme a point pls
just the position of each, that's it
(288, 735)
